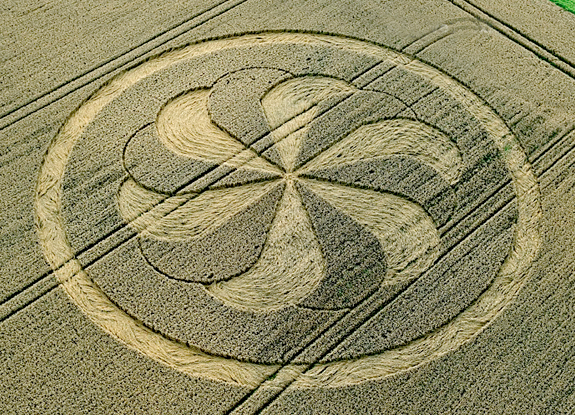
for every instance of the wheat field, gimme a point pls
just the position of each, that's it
(246, 207)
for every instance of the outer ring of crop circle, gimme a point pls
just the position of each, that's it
(188, 359)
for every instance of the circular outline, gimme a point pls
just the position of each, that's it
(192, 361)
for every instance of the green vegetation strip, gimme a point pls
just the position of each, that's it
(566, 4)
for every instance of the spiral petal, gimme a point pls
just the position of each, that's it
(405, 231)
(394, 137)
(185, 127)
(215, 236)
(291, 264)
(185, 216)
(289, 108)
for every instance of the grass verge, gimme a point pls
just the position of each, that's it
(566, 4)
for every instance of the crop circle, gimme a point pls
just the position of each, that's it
(255, 180)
